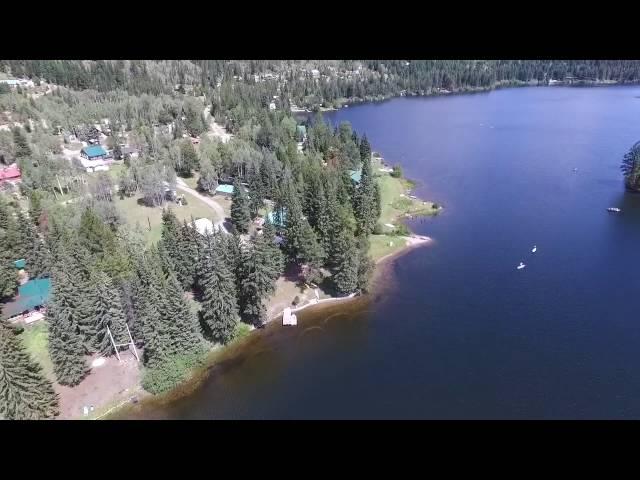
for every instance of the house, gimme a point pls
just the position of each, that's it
(10, 174)
(224, 189)
(31, 296)
(14, 83)
(204, 226)
(356, 176)
(94, 152)
(272, 106)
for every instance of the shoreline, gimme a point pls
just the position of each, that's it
(414, 208)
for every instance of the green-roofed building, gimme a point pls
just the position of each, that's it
(31, 295)
(94, 152)
(20, 264)
(225, 189)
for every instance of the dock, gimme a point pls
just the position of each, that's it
(289, 318)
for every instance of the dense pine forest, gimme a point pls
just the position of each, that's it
(185, 292)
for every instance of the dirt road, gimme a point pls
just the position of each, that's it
(208, 200)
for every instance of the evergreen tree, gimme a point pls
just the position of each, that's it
(171, 237)
(8, 278)
(21, 143)
(365, 149)
(301, 243)
(25, 393)
(631, 168)
(219, 310)
(240, 215)
(178, 322)
(365, 200)
(106, 311)
(366, 265)
(66, 345)
(258, 280)
(256, 200)
(345, 273)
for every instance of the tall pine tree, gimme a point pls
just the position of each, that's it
(25, 393)
(219, 311)
(66, 345)
(240, 214)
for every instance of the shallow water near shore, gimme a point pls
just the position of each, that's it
(454, 330)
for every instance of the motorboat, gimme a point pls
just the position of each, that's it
(534, 249)
(614, 209)
(521, 266)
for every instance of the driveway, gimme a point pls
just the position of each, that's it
(208, 200)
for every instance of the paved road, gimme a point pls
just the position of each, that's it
(208, 200)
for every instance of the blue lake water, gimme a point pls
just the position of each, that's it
(457, 331)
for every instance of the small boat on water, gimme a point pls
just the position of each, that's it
(614, 209)
(521, 266)
(575, 170)
(534, 249)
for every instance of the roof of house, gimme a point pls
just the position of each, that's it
(302, 129)
(356, 175)
(32, 294)
(204, 226)
(94, 151)
(10, 172)
(10, 81)
(224, 189)
(20, 263)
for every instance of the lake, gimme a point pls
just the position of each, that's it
(456, 331)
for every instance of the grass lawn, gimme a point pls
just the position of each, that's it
(396, 204)
(36, 340)
(379, 245)
(133, 212)
(115, 169)
(192, 182)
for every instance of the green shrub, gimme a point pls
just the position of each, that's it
(402, 230)
(378, 229)
(435, 206)
(397, 171)
(242, 330)
(170, 373)
(296, 301)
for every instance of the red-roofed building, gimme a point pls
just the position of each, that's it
(10, 173)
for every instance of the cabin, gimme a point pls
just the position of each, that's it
(10, 174)
(356, 176)
(31, 297)
(94, 152)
